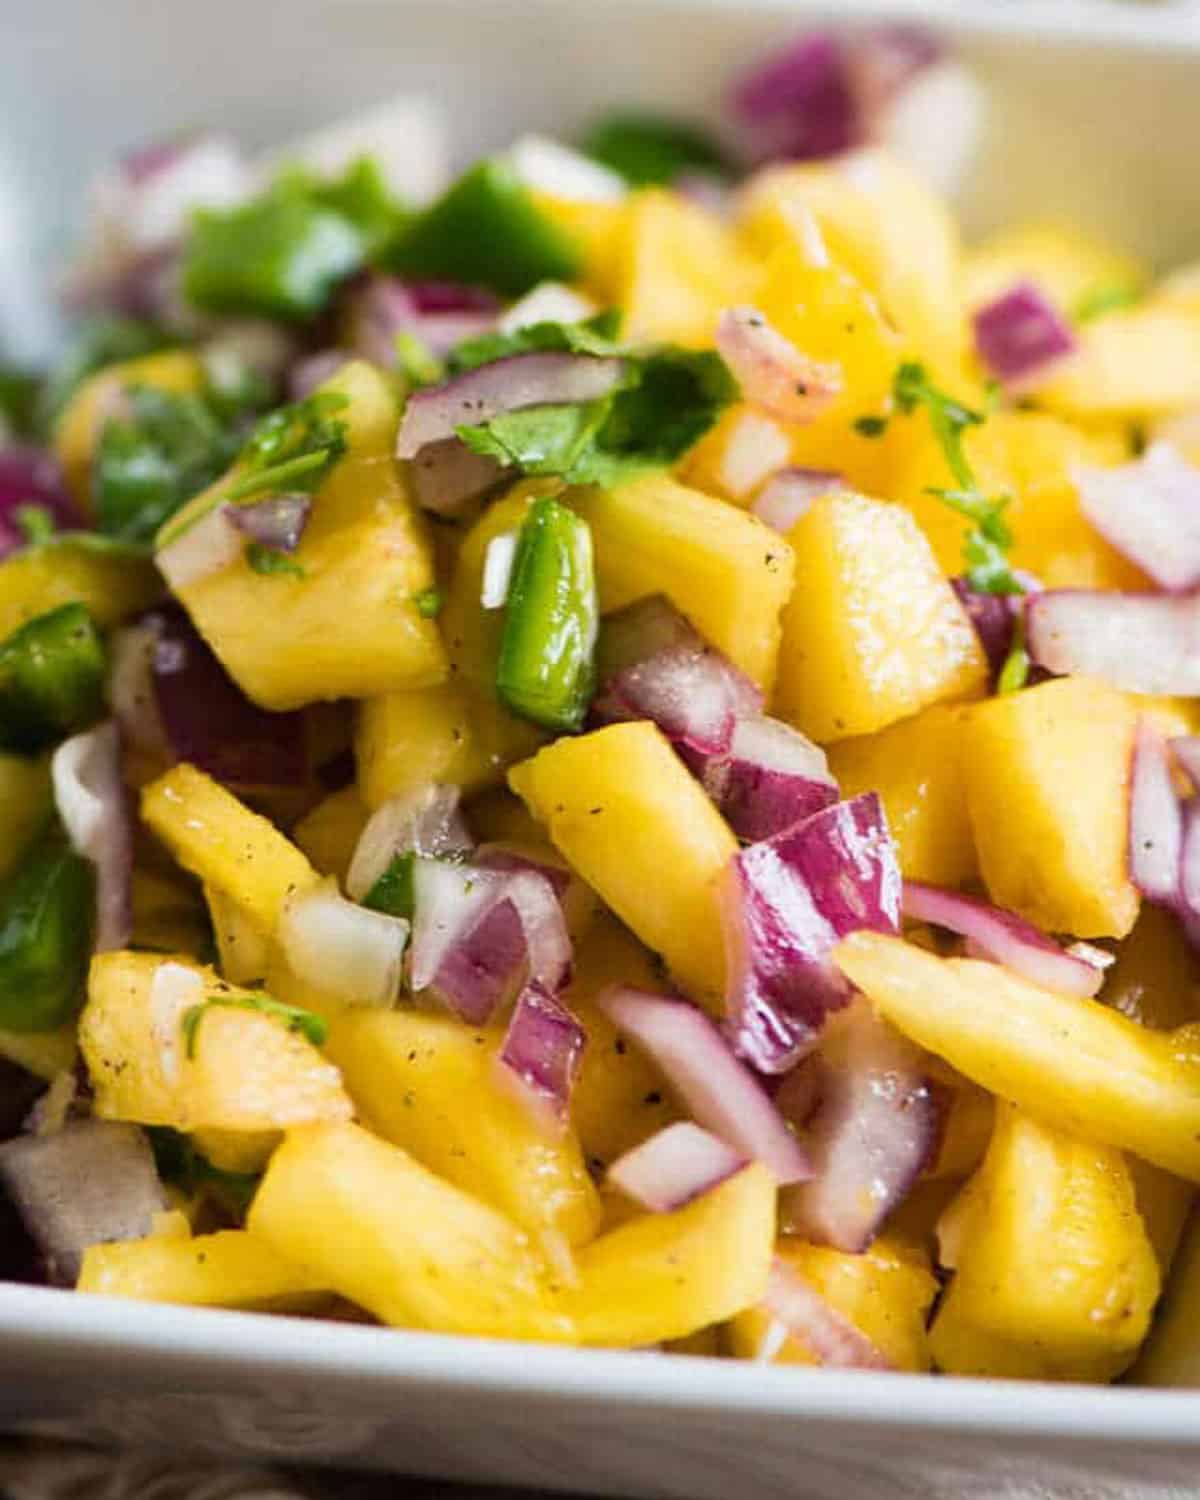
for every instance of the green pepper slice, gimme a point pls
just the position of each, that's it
(486, 230)
(545, 669)
(51, 679)
(47, 912)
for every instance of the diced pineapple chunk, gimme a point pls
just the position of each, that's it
(630, 819)
(381, 1230)
(433, 1086)
(664, 1276)
(873, 633)
(352, 625)
(78, 428)
(600, 229)
(1138, 364)
(216, 837)
(620, 1097)
(244, 950)
(679, 269)
(916, 768)
(1068, 266)
(24, 803)
(724, 569)
(243, 1070)
(168, 912)
(1047, 775)
(228, 1269)
(111, 582)
(1074, 1063)
(1031, 457)
(1052, 1257)
(329, 833)
(885, 1293)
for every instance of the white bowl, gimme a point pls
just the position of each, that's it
(1095, 112)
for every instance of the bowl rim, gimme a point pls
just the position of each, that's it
(39, 1325)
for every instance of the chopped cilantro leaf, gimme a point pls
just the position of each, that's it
(361, 196)
(35, 522)
(870, 426)
(987, 543)
(595, 335)
(179, 1163)
(648, 150)
(429, 603)
(393, 891)
(416, 361)
(311, 1026)
(270, 562)
(1105, 298)
(1015, 672)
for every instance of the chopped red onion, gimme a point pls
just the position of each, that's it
(277, 522)
(674, 1167)
(425, 821)
(829, 1337)
(788, 901)
(31, 477)
(92, 802)
(1155, 819)
(210, 722)
(886, 59)
(1021, 335)
(447, 477)
(206, 547)
(755, 448)
(313, 370)
(479, 935)
(548, 302)
(440, 314)
(787, 495)
(542, 1050)
(497, 570)
(774, 375)
(800, 104)
(1141, 643)
(994, 617)
(434, 412)
(90, 1183)
(652, 664)
(876, 1125)
(343, 949)
(721, 1093)
(451, 297)
(1149, 510)
(547, 166)
(770, 777)
(1003, 937)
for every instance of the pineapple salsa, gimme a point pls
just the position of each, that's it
(610, 753)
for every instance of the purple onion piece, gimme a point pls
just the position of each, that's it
(787, 495)
(770, 777)
(675, 1166)
(831, 1338)
(800, 103)
(425, 821)
(446, 478)
(1156, 821)
(1186, 751)
(210, 722)
(94, 806)
(787, 903)
(313, 370)
(994, 617)
(89, 1183)
(1021, 335)
(277, 522)
(450, 297)
(1140, 643)
(31, 476)
(543, 1049)
(434, 412)
(876, 1125)
(1149, 510)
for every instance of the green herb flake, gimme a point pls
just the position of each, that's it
(306, 1022)
(1014, 674)
(429, 603)
(393, 892)
(272, 563)
(989, 540)
(416, 361)
(1105, 298)
(35, 523)
(649, 150)
(870, 426)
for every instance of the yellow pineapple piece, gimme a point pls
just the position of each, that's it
(1052, 1256)
(620, 1097)
(228, 1269)
(352, 626)
(77, 431)
(433, 1086)
(329, 833)
(725, 570)
(679, 268)
(1047, 778)
(24, 804)
(1031, 457)
(379, 1229)
(1137, 364)
(111, 582)
(600, 229)
(1080, 1067)
(624, 812)
(664, 1276)
(244, 950)
(1068, 266)
(916, 766)
(874, 632)
(885, 1293)
(168, 915)
(239, 1069)
(235, 851)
